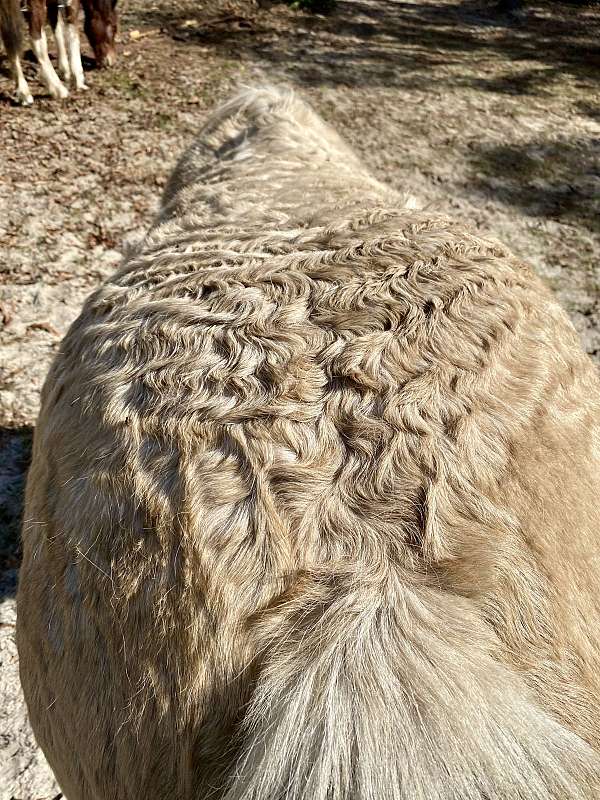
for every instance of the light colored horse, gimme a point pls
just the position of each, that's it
(313, 509)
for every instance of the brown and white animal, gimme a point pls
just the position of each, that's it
(313, 509)
(100, 26)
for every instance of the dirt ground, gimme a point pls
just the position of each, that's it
(492, 118)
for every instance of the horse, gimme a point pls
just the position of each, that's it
(100, 26)
(313, 506)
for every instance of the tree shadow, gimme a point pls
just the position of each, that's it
(15, 455)
(590, 110)
(556, 179)
(393, 43)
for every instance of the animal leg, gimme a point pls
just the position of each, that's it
(37, 20)
(64, 68)
(23, 95)
(53, 83)
(75, 55)
(11, 34)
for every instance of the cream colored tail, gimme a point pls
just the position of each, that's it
(381, 690)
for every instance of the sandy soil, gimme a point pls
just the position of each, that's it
(491, 118)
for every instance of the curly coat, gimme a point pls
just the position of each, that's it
(313, 509)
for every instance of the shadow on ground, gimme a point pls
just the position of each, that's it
(400, 44)
(15, 454)
(557, 180)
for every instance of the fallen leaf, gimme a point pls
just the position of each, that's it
(5, 315)
(43, 326)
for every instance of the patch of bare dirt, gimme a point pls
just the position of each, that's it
(493, 118)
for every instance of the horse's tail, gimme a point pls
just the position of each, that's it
(11, 27)
(381, 688)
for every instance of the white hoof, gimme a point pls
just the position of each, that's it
(24, 99)
(65, 73)
(81, 86)
(59, 92)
